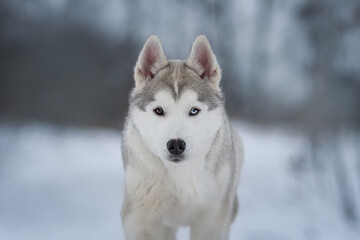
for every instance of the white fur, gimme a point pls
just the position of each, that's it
(172, 194)
(196, 131)
(190, 181)
(199, 191)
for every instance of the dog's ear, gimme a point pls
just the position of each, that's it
(151, 59)
(203, 61)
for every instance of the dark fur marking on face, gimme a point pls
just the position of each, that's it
(187, 79)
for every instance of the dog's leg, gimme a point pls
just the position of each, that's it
(169, 233)
(144, 231)
(213, 226)
(140, 226)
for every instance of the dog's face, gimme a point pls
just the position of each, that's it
(176, 105)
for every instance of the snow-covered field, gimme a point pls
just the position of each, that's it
(67, 183)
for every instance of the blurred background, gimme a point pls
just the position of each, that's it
(291, 76)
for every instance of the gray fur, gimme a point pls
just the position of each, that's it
(201, 192)
(186, 78)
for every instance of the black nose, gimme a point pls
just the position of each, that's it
(176, 146)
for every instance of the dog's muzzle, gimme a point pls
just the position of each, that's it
(176, 148)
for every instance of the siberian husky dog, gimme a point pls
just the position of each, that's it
(182, 158)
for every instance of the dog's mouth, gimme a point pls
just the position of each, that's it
(176, 159)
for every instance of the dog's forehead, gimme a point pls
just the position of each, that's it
(166, 97)
(176, 78)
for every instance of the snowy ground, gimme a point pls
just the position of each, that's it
(67, 183)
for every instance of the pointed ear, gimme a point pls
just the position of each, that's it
(151, 59)
(203, 61)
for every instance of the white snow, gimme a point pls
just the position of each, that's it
(67, 183)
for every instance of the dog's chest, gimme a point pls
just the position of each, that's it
(177, 196)
(190, 192)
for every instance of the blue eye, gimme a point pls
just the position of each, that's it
(194, 111)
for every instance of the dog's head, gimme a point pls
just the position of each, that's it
(177, 106)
